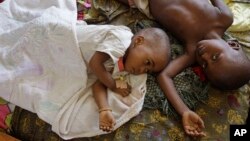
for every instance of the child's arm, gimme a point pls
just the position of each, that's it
(97, 66)
(224, 10)
(192, 123)
(166, 83)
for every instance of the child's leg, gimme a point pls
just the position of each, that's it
(106, 120)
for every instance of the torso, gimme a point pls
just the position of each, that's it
(188, 20)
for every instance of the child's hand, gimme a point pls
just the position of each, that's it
(193, 124)
(123, 91)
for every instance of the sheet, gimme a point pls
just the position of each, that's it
(42, 70)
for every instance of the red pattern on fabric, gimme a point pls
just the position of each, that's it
(80, 15)
(199, 72)
(4, 111)
(120, 64)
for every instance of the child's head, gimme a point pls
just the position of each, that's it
(149, 51)
(225, 64)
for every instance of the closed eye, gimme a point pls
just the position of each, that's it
(149, 65)
(147, 62)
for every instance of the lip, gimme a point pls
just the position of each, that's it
(132, 71)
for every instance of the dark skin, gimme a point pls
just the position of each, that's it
(199, 26)
(140, 50)
(193, 21)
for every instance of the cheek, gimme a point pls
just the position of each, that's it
(212, 71)
(130, 62)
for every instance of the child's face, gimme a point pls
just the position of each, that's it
(141, 59)
(217, 58)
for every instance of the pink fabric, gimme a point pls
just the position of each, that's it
(4, 111)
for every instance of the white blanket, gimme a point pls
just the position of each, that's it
(41, 69)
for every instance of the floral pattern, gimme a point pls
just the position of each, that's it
(152, 124)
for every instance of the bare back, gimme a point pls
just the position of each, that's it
(190, 20)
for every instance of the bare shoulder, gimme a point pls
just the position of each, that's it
(225, 18)
(223, 13)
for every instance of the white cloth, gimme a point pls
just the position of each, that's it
(42, 68)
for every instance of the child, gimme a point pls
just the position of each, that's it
(49, 65)
(199, 25)
(147, 51)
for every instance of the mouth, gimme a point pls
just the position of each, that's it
(131, 70)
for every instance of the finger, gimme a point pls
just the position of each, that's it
(203, 134)
(199, 130)
(201, 123)
(187, 130)
(190, 132)
(196, 133)
(124, 94)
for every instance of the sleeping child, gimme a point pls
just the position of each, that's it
(72, 74)
(103, 45)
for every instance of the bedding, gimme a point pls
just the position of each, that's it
(157, 120)
(46, 76)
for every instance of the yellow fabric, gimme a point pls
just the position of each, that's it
(227, 1)
(241, 12)
(240, 28)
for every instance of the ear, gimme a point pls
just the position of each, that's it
(234, 44)
(139, 40)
